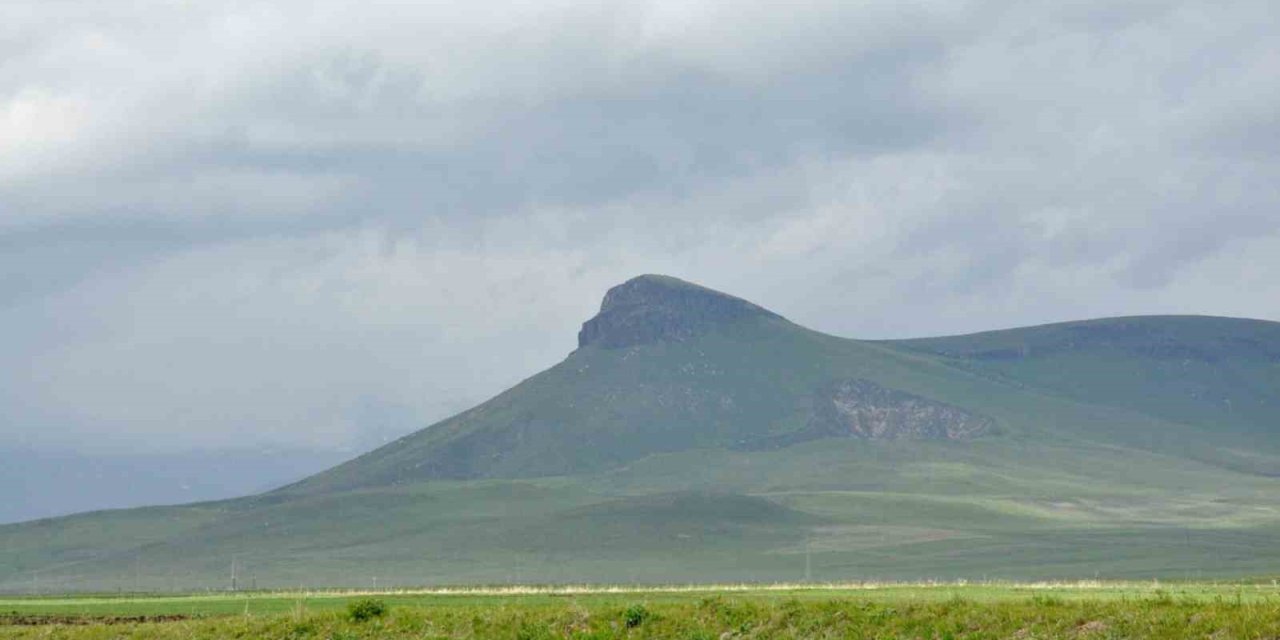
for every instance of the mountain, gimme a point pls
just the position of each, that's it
(695, 436)
(668, 366)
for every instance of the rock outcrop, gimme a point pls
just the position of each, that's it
(654, 308)
(864, 409)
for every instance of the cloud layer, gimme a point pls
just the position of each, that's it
(313, 223)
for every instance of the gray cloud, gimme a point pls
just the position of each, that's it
(278, 223)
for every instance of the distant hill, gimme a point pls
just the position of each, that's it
(38, 483)
(697, 436)
(1223, 372)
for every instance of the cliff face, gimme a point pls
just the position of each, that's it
(653, 308)
(863, 409)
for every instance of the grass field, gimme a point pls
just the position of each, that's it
(1077, 610)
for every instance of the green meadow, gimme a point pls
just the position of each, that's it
(943, 610)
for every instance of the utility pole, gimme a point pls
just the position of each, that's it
(233, 571)
(808, 558)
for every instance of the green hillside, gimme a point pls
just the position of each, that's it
(1222, 374)
(1219, 371)
(694, 436)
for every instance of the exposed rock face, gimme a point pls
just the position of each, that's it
(864, 409)
(653, 308)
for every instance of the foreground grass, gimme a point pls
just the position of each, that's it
(1186, 611)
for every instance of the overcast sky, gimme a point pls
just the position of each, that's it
(299, 223)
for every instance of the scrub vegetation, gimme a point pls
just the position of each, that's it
(905, 611)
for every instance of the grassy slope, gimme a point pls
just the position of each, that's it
(668, 483)
(1220, 374)
(937, 516)
(751, 385)
(1223, 372)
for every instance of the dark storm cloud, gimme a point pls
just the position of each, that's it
(268, 222)
(671, 131)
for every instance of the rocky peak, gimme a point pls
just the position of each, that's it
(653, 308)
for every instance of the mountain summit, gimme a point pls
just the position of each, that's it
(651, 308)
